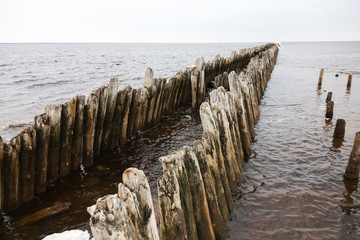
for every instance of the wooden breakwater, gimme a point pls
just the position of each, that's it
(195, 189)
(70, 134)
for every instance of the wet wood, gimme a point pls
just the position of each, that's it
(340, 128)
(103, 93)
(321, 77)
(149, 84)
(11, 174)
(353, 166)
(54, 112)
(201, 208)
(172, 221)
(144, 105)
(194, 89)
(328, 97)
(159, 92)
(134, 191)
(1, 174)
(90, 116)
(117, 121)
(42, 127)
(77, 148)
(175, 162)
(68, 115)
(132, 112)
(206, 164)
(110, 111)
(42, 214)
(329, 110)
(348, 86)
(126, 114)
(27, 165)
(248, 107)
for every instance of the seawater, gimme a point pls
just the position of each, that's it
(292, 186)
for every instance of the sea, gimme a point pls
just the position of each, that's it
(292, 185)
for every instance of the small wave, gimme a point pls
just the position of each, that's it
(49, 83)
(5, 65)
(350, 72)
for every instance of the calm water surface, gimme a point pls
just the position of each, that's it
(292, 186)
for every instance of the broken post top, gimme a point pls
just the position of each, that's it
(148, 80)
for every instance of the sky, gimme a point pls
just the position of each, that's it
(179, 21)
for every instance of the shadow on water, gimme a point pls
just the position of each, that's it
(83, 188)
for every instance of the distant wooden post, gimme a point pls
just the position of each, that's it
(321, 77)
(349, 82)
(329, 110)
(340, 128)
(328, 97)
(353, 167)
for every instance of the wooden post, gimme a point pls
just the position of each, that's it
(68, 115)
(54, 112)
(248, 107)
(163, 100)
(110, 111)
(321, 77)
(126, 115)
(172, 221)
(132, 111)
(90, 116)
(205, 163)
(353, 166)
(340, 128)
(117, 122)
(329, 110)
(27, 165)
(77, 148)
(201, 208)
(103, 93)
(328, 97)
(159, 92)
(194, 89)
(149, 84)
(11, 174)
(42, 127)
(1, 174)
(348, 86)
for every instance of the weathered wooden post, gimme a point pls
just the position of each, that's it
(117, 121)
(348, 86)
(77, 148)
(340, 128)
(42, 127)
(353, 166)
(1, 174)
(27, 164)
(102, 93)
(11, 174)
(90, 115)
(54, 112)
(126, 115)
(329, 110)
(328, 97)
(68, 115)
(321, 77)
(149, 84)
(110, 110)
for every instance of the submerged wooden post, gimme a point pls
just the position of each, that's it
(54, 112)
(321, 77)
(348, 86)
(27, 165)
(353, 166)
(328, 97)
(68, 115)
(42, 127)
(329, 110)
(78, 135)
(340, 128)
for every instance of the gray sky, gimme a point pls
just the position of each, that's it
(179, 21)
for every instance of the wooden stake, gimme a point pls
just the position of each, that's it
(321, 77)
(353, 166)
(117, 122)
(328, 97)
(126, 115)
(103, 93)
(77, 148)
(329, 110)
(340, 128)
(348, 86)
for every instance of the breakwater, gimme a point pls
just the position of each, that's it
(71, 134)
(194, 192)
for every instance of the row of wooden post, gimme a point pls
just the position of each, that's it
(353, 167)
(195, 189)
(70, 134)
